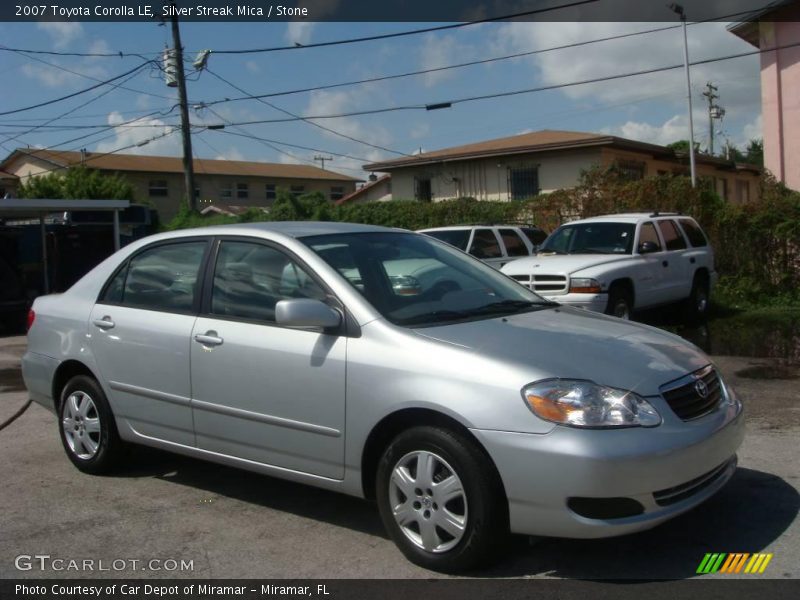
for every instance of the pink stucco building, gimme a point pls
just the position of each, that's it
(780, 86)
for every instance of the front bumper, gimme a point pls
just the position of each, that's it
(668, 470)
(592, 302)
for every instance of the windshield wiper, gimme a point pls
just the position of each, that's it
(510, 306)
(434, 317)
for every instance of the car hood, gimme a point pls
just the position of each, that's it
(571, 343)
(560, 263)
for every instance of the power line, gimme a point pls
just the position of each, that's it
(323, 127)
(310, 148)
(465, 99)
(79, 74)
(70, 111)
(469, 63)
(385, 36)
(447, 103)
(78, 93)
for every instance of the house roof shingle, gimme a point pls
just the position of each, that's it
(171, 164)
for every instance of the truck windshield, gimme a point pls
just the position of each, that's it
(416, 280)
(591, 238)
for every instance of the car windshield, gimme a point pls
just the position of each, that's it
(591, 238)
(415, 280)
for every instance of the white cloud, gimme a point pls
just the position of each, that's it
(63, 33)
(230, 154)
(439, 52)
(55, 75)
(299, 32)
(252, 66)
(324, 103)
(754, 129)
(135, 133)
(672, 130)
(630, 54)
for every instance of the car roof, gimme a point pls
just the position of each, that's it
(628, 218)
(460, 227)
(295, 229)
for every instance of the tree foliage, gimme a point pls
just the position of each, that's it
(77, 183)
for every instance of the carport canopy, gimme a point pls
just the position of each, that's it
(30, 208)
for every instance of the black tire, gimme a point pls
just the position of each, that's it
(484, 507)
(697, 304)
(620, 303)
(78, 444)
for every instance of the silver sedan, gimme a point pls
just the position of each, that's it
(384, 364)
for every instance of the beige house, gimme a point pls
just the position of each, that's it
(160, 180)
(376, 190)
(523, 166)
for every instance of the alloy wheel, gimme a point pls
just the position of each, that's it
(428, 501)
(81, 423)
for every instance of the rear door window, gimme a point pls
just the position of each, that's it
(455, 237)
(673, 238)
(485, 244)
(696, 237)
(648, 234)
(513, 243)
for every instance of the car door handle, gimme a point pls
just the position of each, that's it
(104, 323)
(664, 263)
(209, 338)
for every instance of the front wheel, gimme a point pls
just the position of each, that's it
(441, 500)
(620, 303)
(87, 427)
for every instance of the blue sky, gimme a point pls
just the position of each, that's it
(650, 108)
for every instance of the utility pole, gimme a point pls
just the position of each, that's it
(714, 112)
(678, 10)
(186, 134)
(322, 159)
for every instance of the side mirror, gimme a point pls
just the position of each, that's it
(648, 248)
(305, 312)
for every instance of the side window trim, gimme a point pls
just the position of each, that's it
(210, 269)
(126, 264)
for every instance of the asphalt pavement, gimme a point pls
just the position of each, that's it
(222, 522)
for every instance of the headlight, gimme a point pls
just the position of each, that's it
(584, 285)
(585, 404)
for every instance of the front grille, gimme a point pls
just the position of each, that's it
(549, 284)
(694, 396)
(685, 490)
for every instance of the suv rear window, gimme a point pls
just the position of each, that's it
(694, 233)
(673, 238)
(485, 244)
(514, 244)
(454, 237)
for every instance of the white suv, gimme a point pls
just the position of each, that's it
(620, 263)
(493, 244)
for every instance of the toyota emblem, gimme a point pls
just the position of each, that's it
(701, 388)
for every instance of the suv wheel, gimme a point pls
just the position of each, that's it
(698, 302)
(441, 499)
(88, 431)
(620, 303)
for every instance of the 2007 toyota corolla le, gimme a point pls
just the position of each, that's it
(385, 364)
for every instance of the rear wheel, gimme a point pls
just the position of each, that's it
(441, 500)
(87, 427)
(620, 303)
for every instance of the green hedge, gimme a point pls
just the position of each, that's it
(757, 245)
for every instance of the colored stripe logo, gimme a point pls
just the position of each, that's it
(737, 562)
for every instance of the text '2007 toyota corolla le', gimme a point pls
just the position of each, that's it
(385, 364)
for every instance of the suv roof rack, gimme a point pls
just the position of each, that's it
(666, 214)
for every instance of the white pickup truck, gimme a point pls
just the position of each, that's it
(620, 263)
